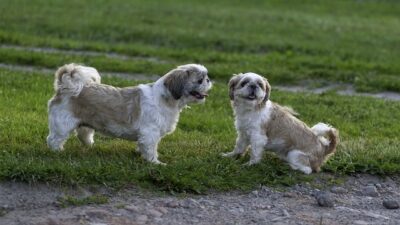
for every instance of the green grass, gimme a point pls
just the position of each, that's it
(74, 201)
(369, 133)
(338, 41)
(290, 42)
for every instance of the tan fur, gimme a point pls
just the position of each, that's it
(263, 124)
(144, 113)
(101, 106)
(176, 82)
(267, 89)
(233, 82)
(64, 70)
(296, 135)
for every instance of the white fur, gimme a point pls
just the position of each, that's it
(293, 159)
(61, 124)
(248, 125)
(253, 115)
(248, 121)
(82, 76)
(320, 129)
(157, 118)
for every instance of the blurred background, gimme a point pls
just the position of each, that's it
(309, 43)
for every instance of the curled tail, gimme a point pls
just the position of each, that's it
(71, 78)
(333, 136)
(322, 131)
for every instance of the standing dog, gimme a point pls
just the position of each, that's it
(143, 113)
(263, 124)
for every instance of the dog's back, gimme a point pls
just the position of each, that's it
(108, 109)
(292, 132)
(318, 142)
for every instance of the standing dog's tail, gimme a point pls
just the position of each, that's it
(322, 130)
(71, 78)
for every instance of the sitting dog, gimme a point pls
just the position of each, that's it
(263, 124)
(143, 113)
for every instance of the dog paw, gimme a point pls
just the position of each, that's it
(159, 163)
(250, 163)
(306, 170)
(228, 154)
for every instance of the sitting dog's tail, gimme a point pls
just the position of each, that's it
(323, 130)
(71, 78)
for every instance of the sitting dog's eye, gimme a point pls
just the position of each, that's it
(208, 80)
(200, 81)
(244, 83)
(260, 84)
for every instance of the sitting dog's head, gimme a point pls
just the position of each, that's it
(249, 88)
(188, 82)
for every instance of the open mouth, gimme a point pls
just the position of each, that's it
(251, 97)
(198, 95)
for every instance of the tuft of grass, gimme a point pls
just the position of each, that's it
(368, 127)
(68, 200)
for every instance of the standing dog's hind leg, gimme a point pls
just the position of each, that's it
(85, 135)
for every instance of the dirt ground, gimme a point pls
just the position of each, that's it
(356, 200)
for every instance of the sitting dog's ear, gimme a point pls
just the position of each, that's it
(267, 91)
(175, 82)
(232, 83)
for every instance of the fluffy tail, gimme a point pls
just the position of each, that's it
(322, 131)
(71, 78)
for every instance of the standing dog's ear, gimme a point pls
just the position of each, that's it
(175, 81)
(267, 91)
(232, 83)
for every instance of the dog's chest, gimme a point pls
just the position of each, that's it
(249, 124)
(157, 114)
(168, 120)
(252, 123)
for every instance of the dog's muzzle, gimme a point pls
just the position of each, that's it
(198, 95)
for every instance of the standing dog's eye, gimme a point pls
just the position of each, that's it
(260, 84)
(200, 81)
(208, 80)
(244, 83)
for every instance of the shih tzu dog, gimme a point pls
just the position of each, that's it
(144, 113)
(263, 124)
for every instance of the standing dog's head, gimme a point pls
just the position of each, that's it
(188, 82)
(249, 88)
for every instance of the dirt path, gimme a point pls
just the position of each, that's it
(113, 55)
(358, 200)
(341, 89)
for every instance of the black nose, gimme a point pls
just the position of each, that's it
(253, 86)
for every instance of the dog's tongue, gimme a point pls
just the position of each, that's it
(198, 95)
(203, 95)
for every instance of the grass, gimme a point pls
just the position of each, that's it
(291, 42)
(67, 201)
(369, 130)
(339, 41)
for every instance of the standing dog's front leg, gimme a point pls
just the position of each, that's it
(242, 143)
(147, 144)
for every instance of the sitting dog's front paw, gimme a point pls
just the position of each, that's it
(158, 162)
(228, 154)
(251, 163)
